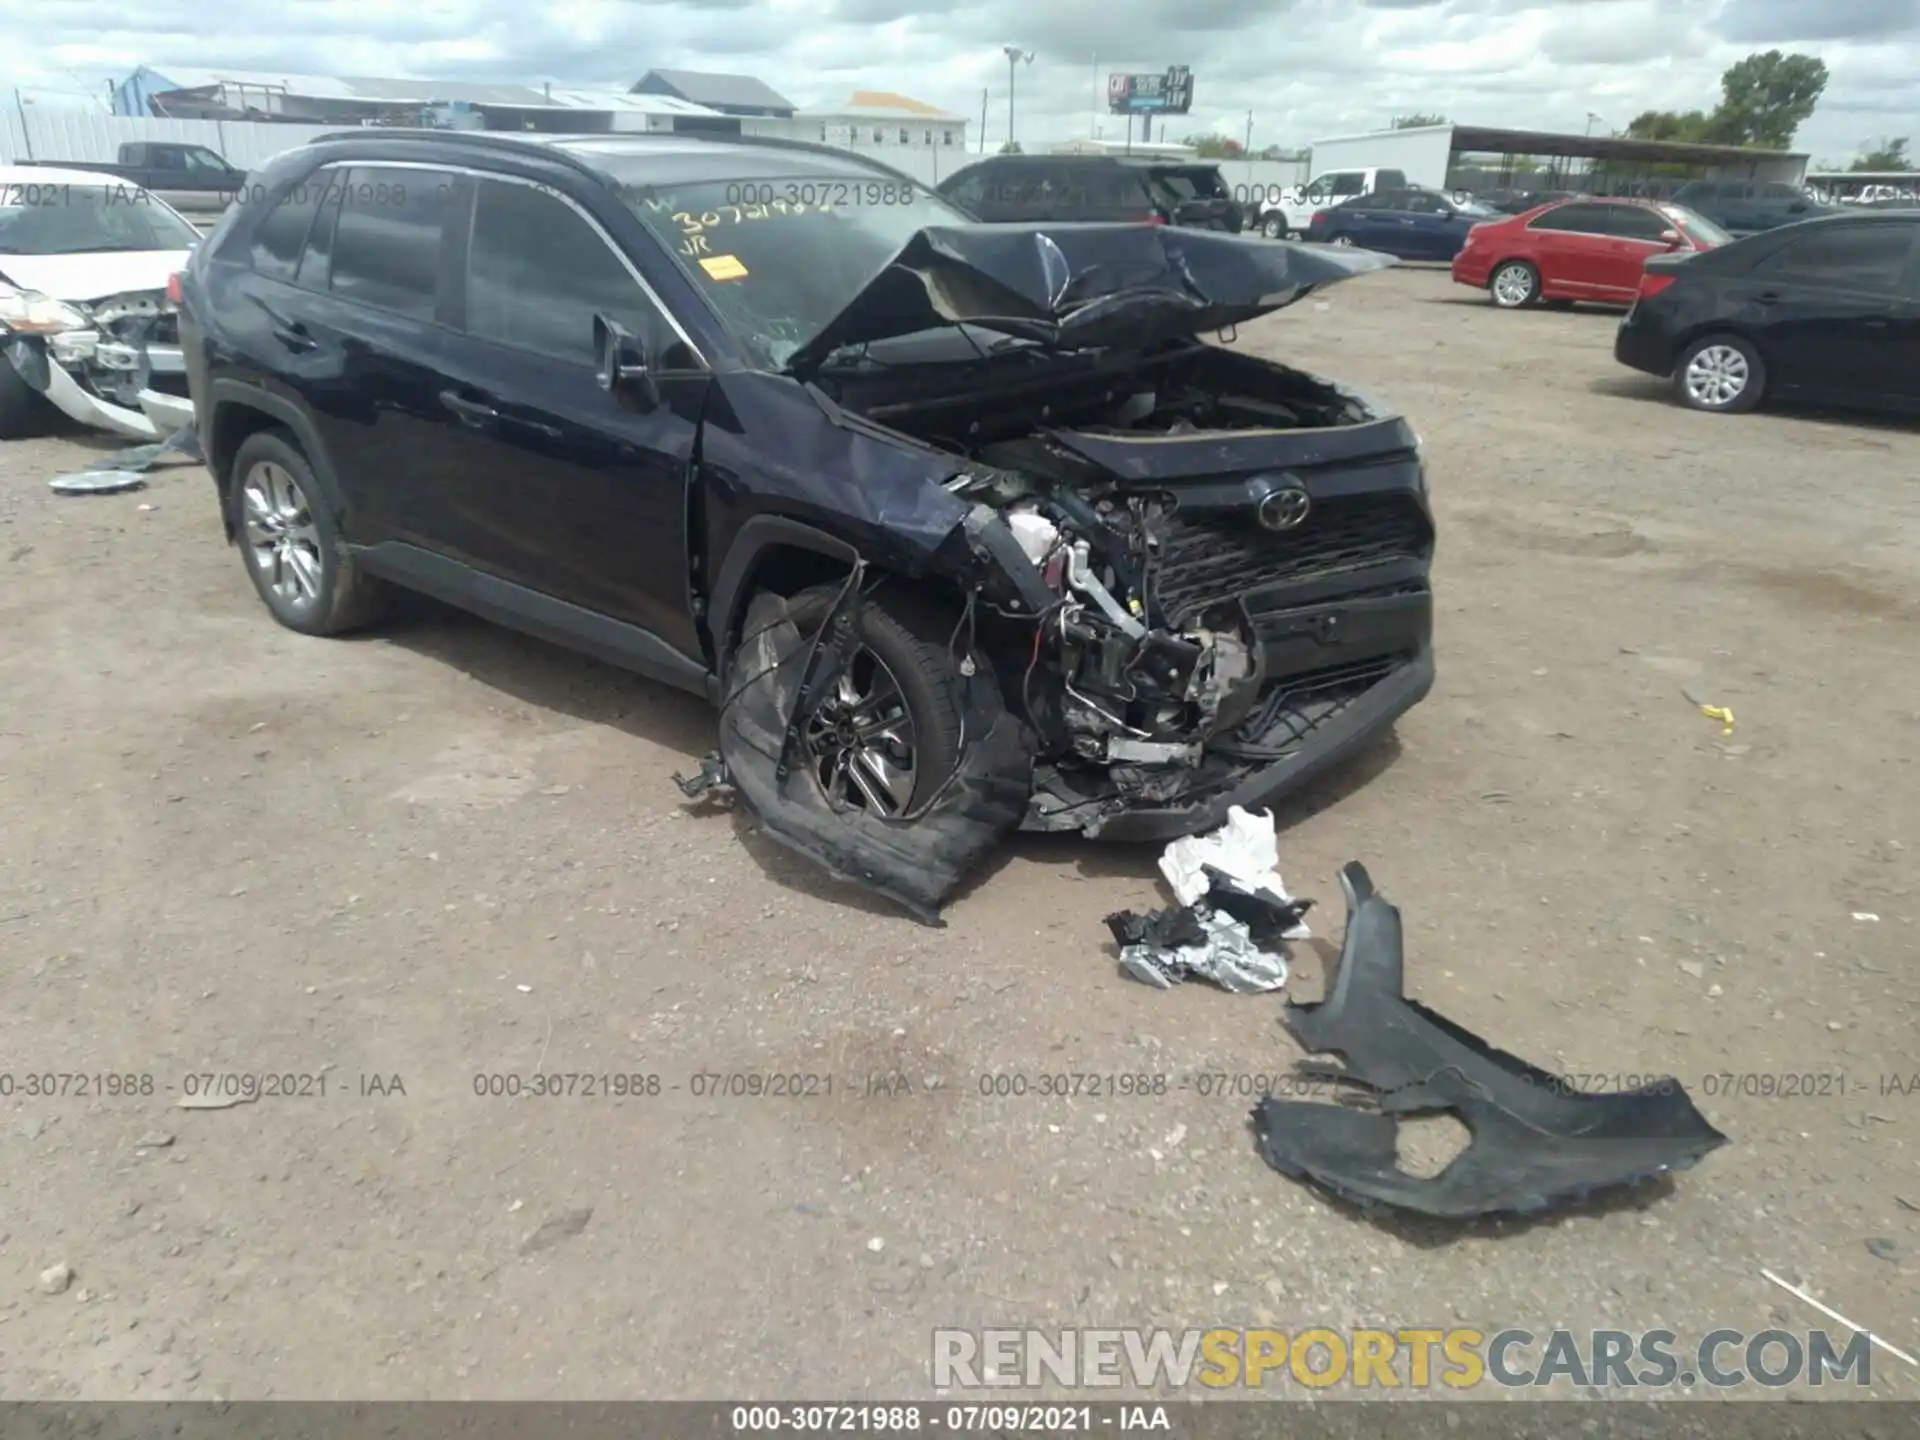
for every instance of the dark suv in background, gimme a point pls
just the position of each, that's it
(1027, 188)
(962, 527)
(1746, 207)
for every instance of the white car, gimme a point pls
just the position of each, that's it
(1287, 218)
(86, 327)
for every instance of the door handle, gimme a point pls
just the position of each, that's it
(469, 412)
(1767, 297)
(292, 334)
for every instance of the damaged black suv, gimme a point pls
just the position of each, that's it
(960, 526)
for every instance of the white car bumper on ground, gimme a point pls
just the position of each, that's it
(155, 414)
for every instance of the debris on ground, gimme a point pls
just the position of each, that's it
(153, 1140)
(1537, 1141)
(1712, 712)
(1233, 917)
(1832, 1314)
(1883, 1250)
(1866, 917)
(126, 469)
(205, 1100)
(564, 1226)
(55, 1279)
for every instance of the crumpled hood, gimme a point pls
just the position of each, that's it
(1077, 286)
(83, 278)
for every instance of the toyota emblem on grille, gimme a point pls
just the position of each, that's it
(1285, 509)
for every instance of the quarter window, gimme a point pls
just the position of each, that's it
(282, 231)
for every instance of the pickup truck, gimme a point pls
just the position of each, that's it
(1288, 217)
(190, 178)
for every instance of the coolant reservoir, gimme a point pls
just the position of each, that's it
(1037, 534)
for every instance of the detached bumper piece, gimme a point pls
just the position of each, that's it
(1537, 1142)
(916, 861)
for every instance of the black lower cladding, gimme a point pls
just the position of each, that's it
(916, 862)
(1537, 1141)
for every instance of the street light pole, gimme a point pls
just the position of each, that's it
(1014, 56)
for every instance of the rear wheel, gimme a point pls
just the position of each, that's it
(1274, 227)
(1514, 285)
(887, 736)
(1721, 374)
(291, 545)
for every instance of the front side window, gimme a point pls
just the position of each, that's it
(1574, 219)
(1847, 257)
(780, 254)
(538, 273)
(1634, 222)
(1351, 182)
(387, 241)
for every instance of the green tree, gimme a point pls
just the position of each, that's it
(1766, 98)
(1688, 126)
(1416, 122)
(1892, 155)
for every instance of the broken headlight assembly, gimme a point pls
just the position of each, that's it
(28, 312)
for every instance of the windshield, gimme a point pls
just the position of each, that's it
(781, 254)
(1699, 229)
(63, 219)
(1475, 210)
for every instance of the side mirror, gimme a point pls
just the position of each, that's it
(624, 371)
(1670, 237)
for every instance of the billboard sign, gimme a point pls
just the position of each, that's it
(1170, 93)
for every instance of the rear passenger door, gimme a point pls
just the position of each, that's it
(363, 343)
(555, 485)
(1573, 248)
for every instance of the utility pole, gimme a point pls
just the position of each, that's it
(1093, 110)
(983, 122)
(1248, 148)
(1014, 56)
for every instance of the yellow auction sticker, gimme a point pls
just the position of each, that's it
(723, 267)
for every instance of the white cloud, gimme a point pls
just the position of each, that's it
(1305, 68)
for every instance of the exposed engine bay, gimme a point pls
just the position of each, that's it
(1203, 556)
(113, 363)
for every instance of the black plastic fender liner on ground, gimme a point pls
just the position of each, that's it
(1537, 1141)
(917, 862)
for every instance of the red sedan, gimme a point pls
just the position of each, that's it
(1581, 249)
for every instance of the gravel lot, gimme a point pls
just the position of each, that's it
(443, 851)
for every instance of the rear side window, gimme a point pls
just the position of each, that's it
(282, 232)
(1847, 257)
(387, 242)
(1576, 219)
(538, 272)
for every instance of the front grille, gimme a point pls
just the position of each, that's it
(1290, 710)
(1207, 561)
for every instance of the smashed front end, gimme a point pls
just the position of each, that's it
(1239, 559)
(1196, 578)
(112, 363)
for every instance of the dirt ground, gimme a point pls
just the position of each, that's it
(444, 851)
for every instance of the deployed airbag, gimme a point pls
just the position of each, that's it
(1537, 1141)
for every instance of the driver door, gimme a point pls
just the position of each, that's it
(548, 481)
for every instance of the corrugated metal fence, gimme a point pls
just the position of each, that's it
(96, 138)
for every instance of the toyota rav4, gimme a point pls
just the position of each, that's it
(960, 526)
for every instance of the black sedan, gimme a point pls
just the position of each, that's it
(1826, 311)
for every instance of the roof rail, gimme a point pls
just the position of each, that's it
(548, 143)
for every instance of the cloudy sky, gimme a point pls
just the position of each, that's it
(1305, 68)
